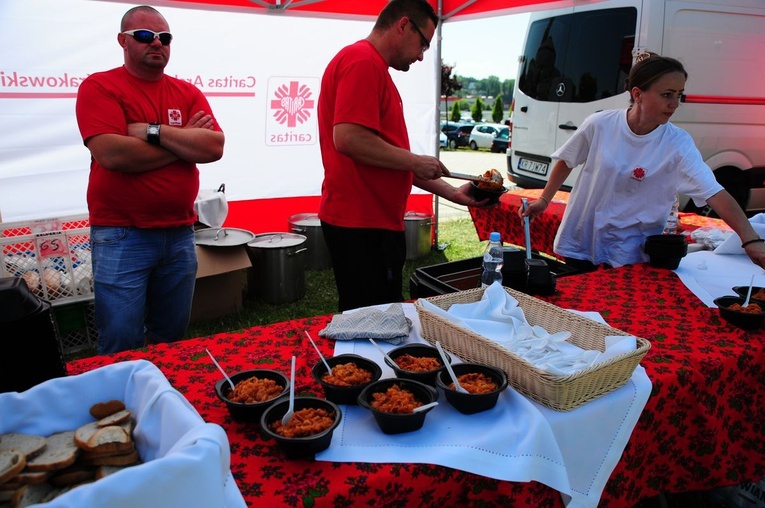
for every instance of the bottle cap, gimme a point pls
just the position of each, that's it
(494, 236)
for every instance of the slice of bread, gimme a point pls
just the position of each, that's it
(86, 456)
(115, 419)
(103, 471)
(32, 494)
(25, 478)
(28, 444)
(60, 452)
(104, 409)
(124, 459)
(12, 462)
(113, 438)
(72, 475)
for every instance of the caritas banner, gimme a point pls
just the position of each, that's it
(260, 72)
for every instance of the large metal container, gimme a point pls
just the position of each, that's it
(418, 230)
(309, 225)
(278, 266)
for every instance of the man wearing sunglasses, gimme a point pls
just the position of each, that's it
(369, 169)
(146, 133)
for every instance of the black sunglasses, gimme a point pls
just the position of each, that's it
(145, 36)
(423, 39)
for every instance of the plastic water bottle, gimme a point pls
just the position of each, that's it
(493, 259)
(670, 228)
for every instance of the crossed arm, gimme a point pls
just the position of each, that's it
(194, 142)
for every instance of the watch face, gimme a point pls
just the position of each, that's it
(152, 133)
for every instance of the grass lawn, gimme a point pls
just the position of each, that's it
(321, 296)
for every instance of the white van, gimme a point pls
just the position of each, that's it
(576, 60)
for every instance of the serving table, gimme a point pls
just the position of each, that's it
(504, 218)
(703, 426)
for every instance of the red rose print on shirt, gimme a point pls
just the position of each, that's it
(638, 174)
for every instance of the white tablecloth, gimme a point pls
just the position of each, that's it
(573, 452)
(710, 275)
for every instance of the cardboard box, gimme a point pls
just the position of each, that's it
(221, 278)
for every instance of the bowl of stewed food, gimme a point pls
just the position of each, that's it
(419, 362)
(349, 375)
(394, 401)
(254, 390)
(310, 429)
(482, 384)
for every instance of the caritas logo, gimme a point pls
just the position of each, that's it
(291, 111)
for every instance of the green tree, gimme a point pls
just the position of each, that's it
(477, 112)
(449, 85)
(456, 114)
(498, 111)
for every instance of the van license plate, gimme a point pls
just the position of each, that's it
(539, 168)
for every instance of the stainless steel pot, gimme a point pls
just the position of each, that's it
(278, 267)
(309, 225)
(418, 230)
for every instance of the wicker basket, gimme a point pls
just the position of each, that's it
(560, 392)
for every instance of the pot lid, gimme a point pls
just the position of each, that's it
(417, 216)
(276, 240)
(305, 219)
(222, 237)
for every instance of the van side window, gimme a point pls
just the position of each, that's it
(579, 57)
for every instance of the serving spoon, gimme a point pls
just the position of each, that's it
(749, 293)
(231, 383)
(472, 178)
(425, 407)
(381, 350)
(291, 408)
(329, 369)
(457, 387)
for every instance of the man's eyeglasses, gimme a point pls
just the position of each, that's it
(423, 39)
(145, 36)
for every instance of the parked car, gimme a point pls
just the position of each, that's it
(457, 134)
(483, 134)
(501, 142)
(442, 139)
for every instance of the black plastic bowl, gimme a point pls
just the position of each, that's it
(345, 394)
(741, 319)
(665, 251)
(298, 447)
(490, 194)
(418, 350)
(250, 412)
(391, 423)
(742, 290)
(470, 403)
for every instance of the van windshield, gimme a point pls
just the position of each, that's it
(579, 57)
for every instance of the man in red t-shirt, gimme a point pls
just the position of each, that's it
(369, 169)
(146, 132)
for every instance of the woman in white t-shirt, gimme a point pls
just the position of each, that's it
(635, 163)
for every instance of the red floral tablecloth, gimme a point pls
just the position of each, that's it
(504, 218)
(702, 427)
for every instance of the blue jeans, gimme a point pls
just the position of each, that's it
(143, 281)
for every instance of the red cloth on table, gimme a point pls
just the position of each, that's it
(702, 427)
(504, 219)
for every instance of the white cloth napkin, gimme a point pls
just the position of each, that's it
(499, 317)
(732, 244)
(390, 325)
(186, 461)
(519, 440)
(211, 207)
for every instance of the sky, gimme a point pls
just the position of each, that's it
(484, 47)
